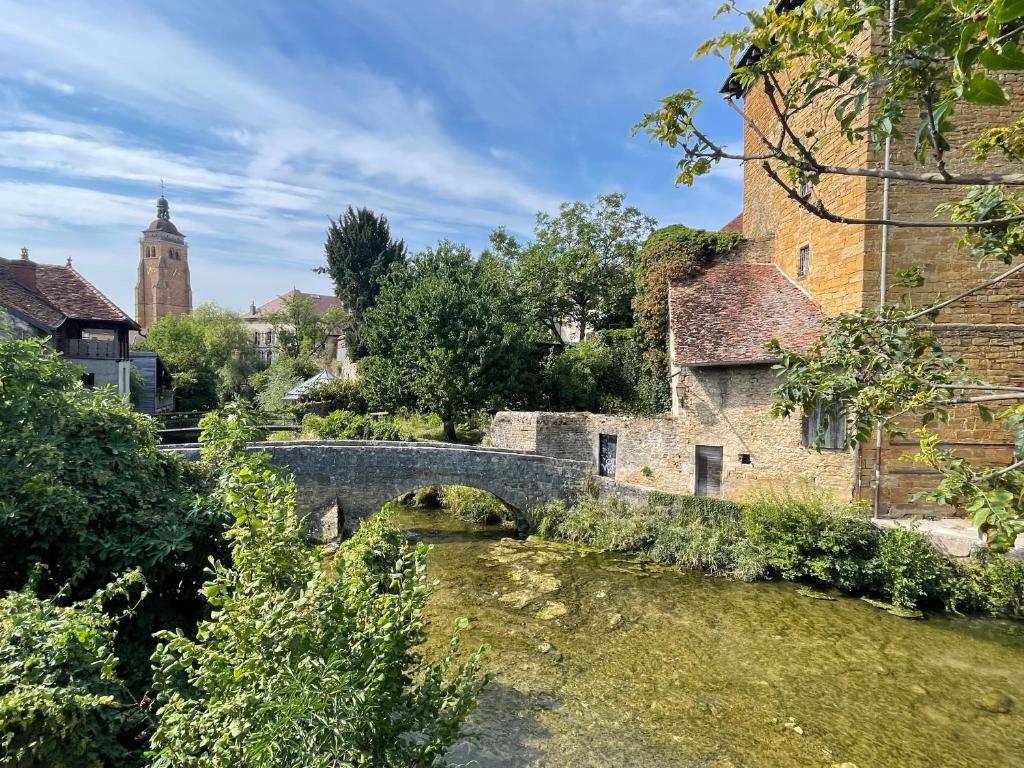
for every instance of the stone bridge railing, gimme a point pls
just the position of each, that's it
(341, 481)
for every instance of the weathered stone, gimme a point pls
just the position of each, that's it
(552, 610)
(995, 702)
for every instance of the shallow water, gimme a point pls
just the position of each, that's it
(602, 661)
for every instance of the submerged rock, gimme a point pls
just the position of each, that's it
(814, 594)
(552, 610)
(895, 610)
(615, 620)
(518, 598)
(994, 702)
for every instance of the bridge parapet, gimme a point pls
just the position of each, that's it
(339, 482)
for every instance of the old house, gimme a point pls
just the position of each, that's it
(57, 302)
(792, 271)
(262, 329)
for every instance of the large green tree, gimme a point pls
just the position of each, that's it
(209, 353)
(301, 332)
(578, 270)
(446, 336)
(935, 59)
(359, 252)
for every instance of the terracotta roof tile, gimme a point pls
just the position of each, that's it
(736, 225)
(321, 303)
(727, 313)
(60, 293)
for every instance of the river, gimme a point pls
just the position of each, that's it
(604, 661)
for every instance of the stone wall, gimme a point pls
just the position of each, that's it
(725, 407)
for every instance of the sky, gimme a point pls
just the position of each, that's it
(267, 119)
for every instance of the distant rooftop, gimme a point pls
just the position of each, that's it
(728, 313)
(321, 303)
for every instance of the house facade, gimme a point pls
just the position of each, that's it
(258, 322)
(47, 300)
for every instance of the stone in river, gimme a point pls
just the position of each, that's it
(996, 702)
(552, 610)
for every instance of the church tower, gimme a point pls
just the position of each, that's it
(163, 287)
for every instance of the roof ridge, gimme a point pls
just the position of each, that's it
(97, 291)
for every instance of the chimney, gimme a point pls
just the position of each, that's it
(25, 270)
(252, 308)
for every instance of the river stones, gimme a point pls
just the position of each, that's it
(994, 702)
(615, 621)
(518, 598)
(552, 610)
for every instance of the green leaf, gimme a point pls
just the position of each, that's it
(985, 91)
(1009, 57)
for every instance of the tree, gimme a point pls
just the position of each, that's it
(301, 332)
(359, 252)
(825, 90)
(209, 353)
(446, 336)
(301, 663)
(579, 269)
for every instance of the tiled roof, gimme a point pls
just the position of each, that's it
(321, 303)
(727, 313)
(736, 225)
(60, 293)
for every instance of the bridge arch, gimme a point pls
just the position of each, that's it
(340, 482)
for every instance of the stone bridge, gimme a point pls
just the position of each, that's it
(340, 482)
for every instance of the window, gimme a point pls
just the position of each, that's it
(268, 338)
(256, 338)
(89, 379)
(805, 260)
(745, 458)
(824, 427)
(709, 471)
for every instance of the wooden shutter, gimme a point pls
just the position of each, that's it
(709, 470)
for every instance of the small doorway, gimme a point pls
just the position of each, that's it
(709, 470)
(607, 448)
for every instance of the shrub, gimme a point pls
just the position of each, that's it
(85, 492)
(997, 583)
(273, 383)
(299, 666)
(698, 533)
(806, 536)
(345, 425)
(912, 572)
(61, 702)
(334, 395)
(474, 506)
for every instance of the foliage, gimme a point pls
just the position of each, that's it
(997, 583)
(445, 336)
(474, 505)
(136, 385)
(85, 492)
(912, 572)
(300, 332)
(885, 367)
(806, 536)
(579, 268)
(300, 666)
(61, 702)
(345, 425)
(209, 353)
(333, 395)
(360, 252)
(273, 383)
(604, 373)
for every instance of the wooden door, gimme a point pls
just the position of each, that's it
(709, 470)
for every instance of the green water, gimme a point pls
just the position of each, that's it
(601, 661)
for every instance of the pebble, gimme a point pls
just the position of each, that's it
(995, 702)
(552, 610)
(615, 620)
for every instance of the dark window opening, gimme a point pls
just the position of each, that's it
(805, 260)
(607, 450)
(745, 458)
(824, 427)
(89, 379)
(709, 470)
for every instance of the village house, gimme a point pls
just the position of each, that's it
(258, 320)
(47, 300)
(792, 271)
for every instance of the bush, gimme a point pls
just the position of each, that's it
(345, 425)
(85, 492)
(997, 584)
(698, 533)
(912, 572)
(334, 395)
(806, 536)
(299, 666)
(273, 383)
(61, 702)
(474, 506)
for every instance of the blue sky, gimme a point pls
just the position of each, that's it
(265, 119)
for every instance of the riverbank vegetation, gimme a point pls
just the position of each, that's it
(797, 536)
(468, 504)
(157, 612)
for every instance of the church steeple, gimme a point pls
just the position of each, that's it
(163, 210)
(164, 285)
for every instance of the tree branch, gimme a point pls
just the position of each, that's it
(961, 295)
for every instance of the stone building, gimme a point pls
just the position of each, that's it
(47, 300)
(258, 322)
(163, 287)
(792, 270)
